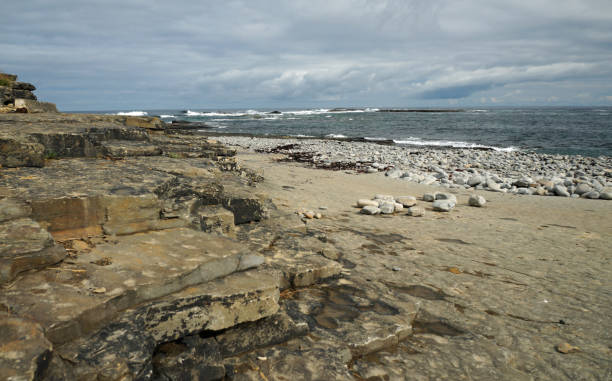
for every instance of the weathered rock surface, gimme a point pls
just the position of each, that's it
(24, 351)
(34, 106)
(125, 346)
(24, 245)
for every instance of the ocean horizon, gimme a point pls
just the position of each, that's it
(585, 131)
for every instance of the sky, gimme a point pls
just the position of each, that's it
(199, 54)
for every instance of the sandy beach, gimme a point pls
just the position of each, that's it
(500, 291)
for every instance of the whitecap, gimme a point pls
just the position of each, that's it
(450, 144)
(167, 116)
(336, 136)
(375, 139)
(132, 113)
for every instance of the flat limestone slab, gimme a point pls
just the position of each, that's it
(24, 350)
(124, 347)
(81, 295)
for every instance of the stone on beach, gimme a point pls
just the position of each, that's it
(370, 210)
(365, 202)
(387, 208)
(443, 205)
(384, 197)
(561, 190)
(416, 211)
(475, 180)
(445, 196)
(477, 200)
(406, 201)
(429, 197)
(593, 195)
(582, 188)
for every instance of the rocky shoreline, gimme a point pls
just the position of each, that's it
(131, 249)
(515, 172)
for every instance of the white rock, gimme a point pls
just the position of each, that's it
(429, 197)
(407, 201)
(446, 196)
(592, 195)
(443, 205)
(394, 173)
(474, 180)
(365, 202)
(606, 196)
(560, 190)
(416, 211)
(385, 197)
(370, 209)
(398, 207)
(387, 208)
(477, 200)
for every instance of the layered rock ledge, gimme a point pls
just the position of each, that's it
(119, 234)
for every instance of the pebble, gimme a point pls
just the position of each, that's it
(477, 200)
(99, 290)
(429, 197)
(387, 208)
(370, 209)
(318, 216)
(582, 188)
(398, 207)
(364, 202)
(606, 196)
(561, 190)
(446, 196)
(416, 211)
(309, 214)
(443, 205)
(407, 201)
(558, 175)
(593, 195)
(474, 180)
(566, 348)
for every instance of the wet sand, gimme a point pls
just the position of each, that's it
(510, 281)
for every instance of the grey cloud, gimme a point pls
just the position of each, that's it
(152, 54)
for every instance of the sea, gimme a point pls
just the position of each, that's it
(585, 131)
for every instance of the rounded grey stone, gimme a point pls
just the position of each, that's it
(477, 200)
(443, 205)
(370, 210)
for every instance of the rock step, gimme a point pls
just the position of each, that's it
(24, 245)
(24, 350)
(93, 196)
(125, 347)
(117, 149)
(83, 294)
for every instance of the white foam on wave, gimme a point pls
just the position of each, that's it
(375, 139)
(277, 115)
(451, 144)
(167, 116)
(478, 111)
(307, 112)
(303, 136)
(336, 136)
(133, 113)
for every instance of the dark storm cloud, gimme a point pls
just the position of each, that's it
(149, 54)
